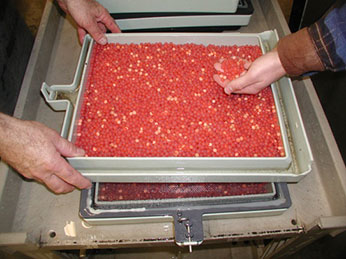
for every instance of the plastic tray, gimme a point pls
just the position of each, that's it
(292, 167)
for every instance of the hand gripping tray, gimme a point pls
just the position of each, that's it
(291, 168)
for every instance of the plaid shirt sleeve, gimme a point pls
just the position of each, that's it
(322, 46)
(329, 37)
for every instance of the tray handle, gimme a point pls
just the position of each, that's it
(50, 93)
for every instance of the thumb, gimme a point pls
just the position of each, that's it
(236, 84)
(81, 34)
(67, 149)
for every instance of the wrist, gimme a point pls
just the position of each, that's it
(6, 133)
(5, 122)
(278, 68)
(297, 53)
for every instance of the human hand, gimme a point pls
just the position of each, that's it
(38, 152)
(91, 17)
(256, 75)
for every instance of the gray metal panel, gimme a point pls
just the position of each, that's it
(183, 21)
(184, 211)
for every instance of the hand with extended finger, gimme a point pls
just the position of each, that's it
(91, 17)
(240, 76)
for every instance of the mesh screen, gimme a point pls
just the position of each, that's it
(153, 191)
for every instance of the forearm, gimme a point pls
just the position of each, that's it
(17, 143)
(297, 54)
(318, 47)
(329, 38)
(4, 127)
(7, 134)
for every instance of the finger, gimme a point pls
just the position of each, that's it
(247, 90)
(232, 87)
(64, 170)
(251, 89)
(110, 23)
(247, 64)
(243, 73)
(57, 185)
(81, 34)
(238, 84)
(218, 80)
(66, 148)
(102, 27)
(218, 67)
(71, 176)
(96, 33)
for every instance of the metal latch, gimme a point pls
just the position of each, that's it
(188, 228)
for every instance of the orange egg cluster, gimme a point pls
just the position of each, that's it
(155, 191)
(160, 100)
(232, 68)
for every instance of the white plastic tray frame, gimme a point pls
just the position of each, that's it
(187, 169)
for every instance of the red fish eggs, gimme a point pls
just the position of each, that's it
(154, 100)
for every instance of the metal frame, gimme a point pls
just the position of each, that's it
(188, 214)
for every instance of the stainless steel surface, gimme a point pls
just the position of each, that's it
(29, 209)
(270, 193)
